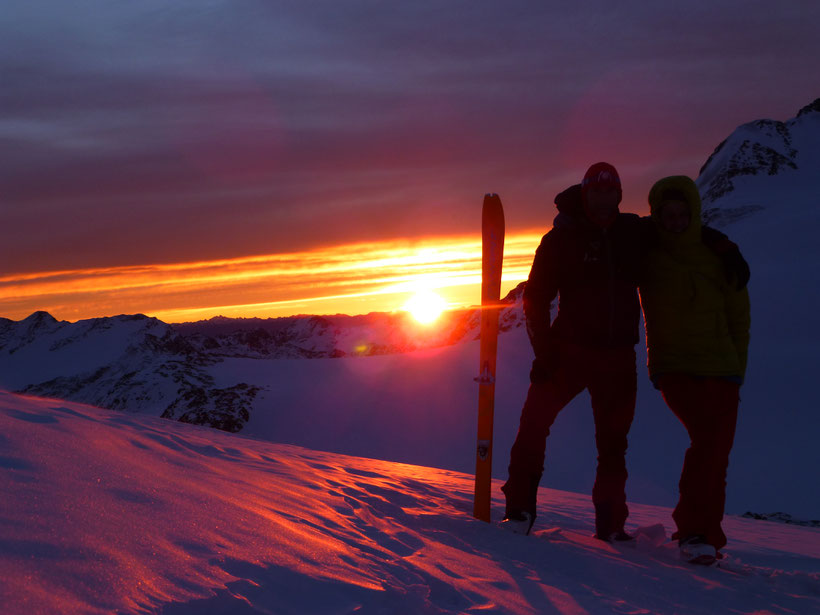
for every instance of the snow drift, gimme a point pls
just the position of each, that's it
(110, 512)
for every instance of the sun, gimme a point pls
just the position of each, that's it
(425, 306)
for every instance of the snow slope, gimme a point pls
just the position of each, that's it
(111, 512)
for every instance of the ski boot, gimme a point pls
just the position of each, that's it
(518, 522)
(695, 550)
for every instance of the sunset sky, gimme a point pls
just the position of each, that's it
(252, 158)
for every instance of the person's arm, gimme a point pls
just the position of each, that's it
(735, 267)
(540, 291)
(738, 314)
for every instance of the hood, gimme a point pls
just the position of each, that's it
(687, 186)
(570, 201)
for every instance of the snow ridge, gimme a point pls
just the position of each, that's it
(756, 149)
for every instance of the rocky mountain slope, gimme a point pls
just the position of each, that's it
(763, 148)
(124, 362)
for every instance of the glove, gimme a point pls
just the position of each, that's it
(543, 369)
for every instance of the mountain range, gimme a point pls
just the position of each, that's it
(141, 364)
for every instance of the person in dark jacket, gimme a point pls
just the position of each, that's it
(592, 259)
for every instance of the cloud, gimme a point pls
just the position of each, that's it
(160, 132)
(270, 284)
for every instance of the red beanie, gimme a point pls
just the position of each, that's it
(602, 175)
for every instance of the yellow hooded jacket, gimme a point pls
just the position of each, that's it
(696, 323)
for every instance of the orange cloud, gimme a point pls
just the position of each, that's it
(352, 278)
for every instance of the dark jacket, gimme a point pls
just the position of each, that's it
(594, 272)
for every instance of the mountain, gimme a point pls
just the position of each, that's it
(107, 512)
(141, 364)
(755, 152)
(313, 337)
(131, 363)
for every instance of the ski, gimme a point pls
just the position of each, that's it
(492, 255)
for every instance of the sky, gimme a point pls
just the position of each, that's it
(153, 141)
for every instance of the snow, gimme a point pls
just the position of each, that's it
(111, 512)
(40, 348)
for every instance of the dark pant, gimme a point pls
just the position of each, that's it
(609, 375)
(707, 407)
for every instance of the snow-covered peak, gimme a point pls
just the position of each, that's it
(753, 154)
(15, 334)
(126, 362)
(40, 344)
(811, 108)
(39, 318)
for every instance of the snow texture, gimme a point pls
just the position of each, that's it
(111, 512)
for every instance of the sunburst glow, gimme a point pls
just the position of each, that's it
(426, 306)
(351, 278)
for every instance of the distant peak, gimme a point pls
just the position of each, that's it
(40, 317)
(813, 107)
(136, 317)
(516, 294)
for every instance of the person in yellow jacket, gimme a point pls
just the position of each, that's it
(697, 338)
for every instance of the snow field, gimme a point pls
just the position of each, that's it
(110, 512)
